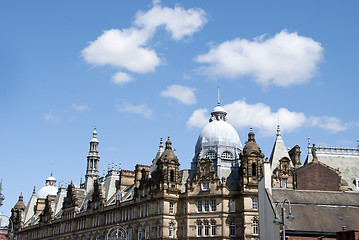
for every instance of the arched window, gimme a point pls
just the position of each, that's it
(227, 155)
(211, 155)
(254, 169)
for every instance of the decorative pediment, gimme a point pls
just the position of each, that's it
(98, 200)
(206, 171)
(71, 198)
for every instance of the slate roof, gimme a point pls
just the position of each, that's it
(320, 211)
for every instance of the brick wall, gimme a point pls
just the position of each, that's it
(317, 177)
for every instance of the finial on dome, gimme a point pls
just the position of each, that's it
(251, 136)
(33, 191)
(219, 102)
(168, 143)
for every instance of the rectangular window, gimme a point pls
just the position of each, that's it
(140, 211)
(255, 227)
(213, 205)
(213, 228)
(199, 205)
(158, 208)
(158, 230)
(184, 233)
(205, 186)
(284, 183)
(254, 203)
(144, 211)
(199, 229)
(232, 205)
(139, 233)
(232, 229)
(130, 234)
(147, 232)
(171, 207)
(184, 208)
(147, 210)
(206, 228)
(171, 230)
(206, 205)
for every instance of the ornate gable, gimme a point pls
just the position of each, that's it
(71, 198)
(98, 201)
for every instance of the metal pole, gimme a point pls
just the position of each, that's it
(283, 223)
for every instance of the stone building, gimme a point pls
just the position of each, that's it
(217, 198)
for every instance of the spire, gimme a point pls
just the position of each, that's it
(279, 151)
(218, 112)
(93, 159)
(278, 130)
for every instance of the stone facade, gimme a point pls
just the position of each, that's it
(155, 202)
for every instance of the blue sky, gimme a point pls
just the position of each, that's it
(141, 70)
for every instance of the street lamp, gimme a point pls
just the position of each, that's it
(290, 217)
(118, 232)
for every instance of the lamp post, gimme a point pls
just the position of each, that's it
(118, 232)
(289, 217)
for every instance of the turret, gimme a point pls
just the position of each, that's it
(93, 159)
(252, 162)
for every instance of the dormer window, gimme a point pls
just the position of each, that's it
(205, 186)
(227, 155)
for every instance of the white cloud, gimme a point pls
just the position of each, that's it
(331, 124)
(128, 48)
(79, 108)
(51, 117)
(178, 21)
(121, 78)
(283, 60)
(122, 49)
(138, 109)
(199, 118)
(182, 93)
(261, 117)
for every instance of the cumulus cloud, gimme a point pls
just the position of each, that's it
(283, 60)
(79, 108)
(141, 109)
(331, 124)
(177, 21)
(182, 93)
(261, 117)
(123, 49)
(129, 48)
(121, 78)
(199, 118)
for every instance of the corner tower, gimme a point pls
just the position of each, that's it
(93, 159)
(220, 142)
